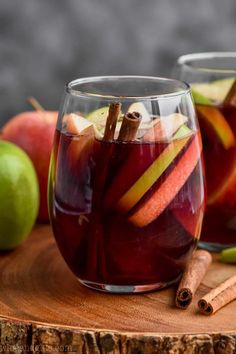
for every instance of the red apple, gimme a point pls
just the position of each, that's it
(34, 132)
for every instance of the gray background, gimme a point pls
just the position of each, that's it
(45, 43)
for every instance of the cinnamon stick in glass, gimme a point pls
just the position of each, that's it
(113, 115)
(218, 297)
(96, 254)
(191, 279)
(129, 126)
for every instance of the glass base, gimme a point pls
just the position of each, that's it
(127, 289)
(214, 247)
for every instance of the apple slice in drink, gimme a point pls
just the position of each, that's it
(188, 205)
(212, 93)
(129, 172)
(151, 208)
(153, 172)
(206, 96)
(165, 127)
(99, 118)
(78, 125)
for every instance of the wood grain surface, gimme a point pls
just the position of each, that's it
(41, 302)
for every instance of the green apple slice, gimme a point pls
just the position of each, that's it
(99, 117)
(77, 124)
(150, 176)
(211, 93)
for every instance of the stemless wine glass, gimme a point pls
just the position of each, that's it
(212, 78)
(126, 188)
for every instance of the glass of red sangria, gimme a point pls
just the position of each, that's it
(126, 185)
(212, 77)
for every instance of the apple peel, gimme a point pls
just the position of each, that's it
(165, 127)
(81, 127)
(149, 210)
(151, 175)
(213, 92)
(77, 125)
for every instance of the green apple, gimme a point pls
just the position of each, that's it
(19, 195)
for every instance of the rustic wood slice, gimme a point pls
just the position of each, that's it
(44, 308)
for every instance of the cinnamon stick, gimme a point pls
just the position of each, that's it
(113, 114)
(129, 126)
(230, 98)
(35, 104)
(218, 297)
(96, 252)
(191, 279)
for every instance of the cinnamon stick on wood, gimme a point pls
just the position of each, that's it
(191, 279)
(113, 114)
(230, 99)
(218, 297)
(129, 126)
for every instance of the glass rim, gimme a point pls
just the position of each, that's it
(80, 93)
(184, 59)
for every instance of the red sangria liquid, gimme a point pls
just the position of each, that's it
(216, 108)
(126, 214)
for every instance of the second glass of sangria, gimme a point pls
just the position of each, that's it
(212, 77)
(126, 187)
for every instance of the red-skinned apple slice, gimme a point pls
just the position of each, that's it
(165, 127)
(151, 175)
(150, 209)
(84, 133)
(78, 125)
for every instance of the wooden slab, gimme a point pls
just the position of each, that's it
(42, 303)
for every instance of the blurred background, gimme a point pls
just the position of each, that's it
(45, 43)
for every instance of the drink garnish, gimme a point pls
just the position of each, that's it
(151, 208)
(113, 115)
(140, 107)
(212, 93)
(151, 175)
(129, 126)
(165, 127)
(218, 124)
